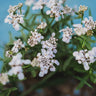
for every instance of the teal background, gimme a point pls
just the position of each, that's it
(5, 28)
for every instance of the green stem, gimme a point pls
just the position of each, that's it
(24, 27)
(47, 21)
(28, 9)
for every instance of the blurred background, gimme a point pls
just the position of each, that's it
(5, 28)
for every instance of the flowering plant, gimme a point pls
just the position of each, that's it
(51, 48)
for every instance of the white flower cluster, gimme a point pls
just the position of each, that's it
(42, 25)
(45, 60)
(16, 66)
(89, 23)
(13, 9)
(85, 57)
(57, 9)
(4, 78)
(15, 49)
(79, 29)
(14, 16)
(67, 34)
(35, 38)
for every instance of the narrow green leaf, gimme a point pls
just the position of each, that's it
(67, 62)
(10, 38)
(90, 12)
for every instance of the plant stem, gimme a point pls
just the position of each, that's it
(24, 27)
(47, 21)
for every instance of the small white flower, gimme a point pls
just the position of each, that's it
(41, 74)
(9, 54)
(86, 66)
(42, 25)
(67, 10)
(53, 69)
(4, 78)
(93, 51)
(20, 76)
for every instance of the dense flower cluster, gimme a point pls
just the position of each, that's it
(89, 23)
(85, 57)
(14, 16)
(67, 34)
(45, 60)
(4, 78)
(35, 38)
(16, 66)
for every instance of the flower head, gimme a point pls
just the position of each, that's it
(89, 23)
(82, 8)
(35, 38)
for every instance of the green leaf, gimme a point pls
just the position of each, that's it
(67, 62)
(90, 12)
(79, 68)
(83, 81)
(23, 35)
(7, 92)
(27, 11)
(33, 73)
(1, 59)
(10, 38)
